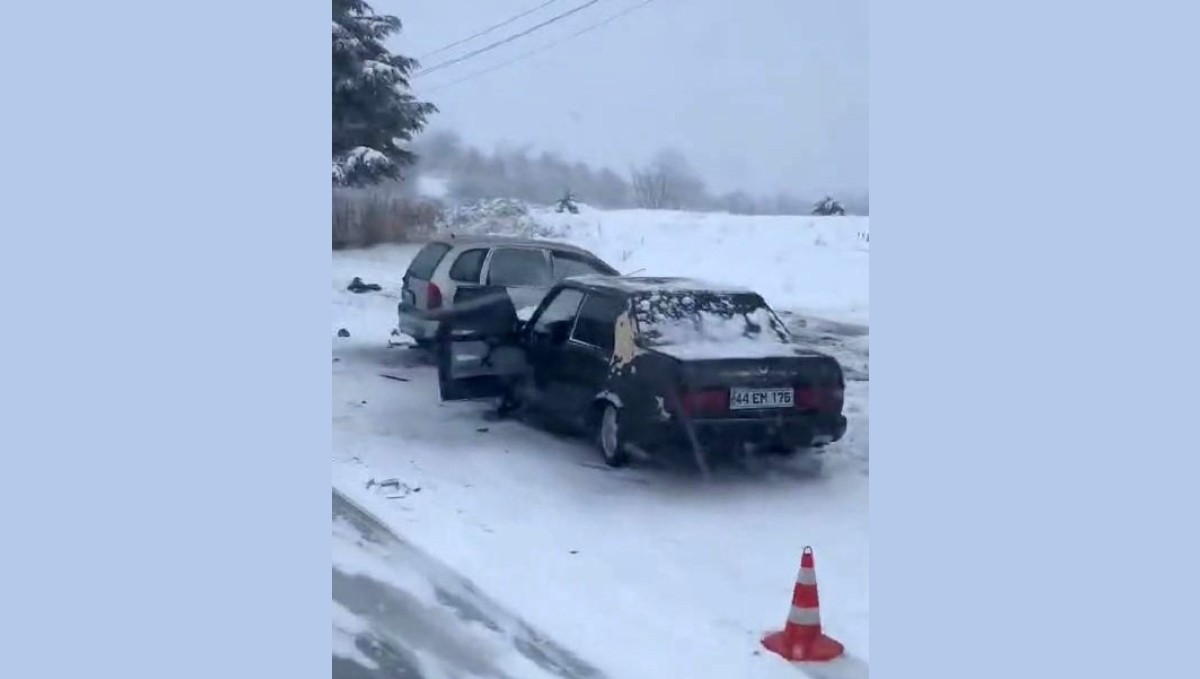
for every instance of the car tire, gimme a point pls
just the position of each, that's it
(610, 438)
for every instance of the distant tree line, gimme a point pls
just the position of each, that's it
(377, 151)
(667, 181)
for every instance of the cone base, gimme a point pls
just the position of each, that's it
(819, 649)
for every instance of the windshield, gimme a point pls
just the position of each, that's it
(678, 318)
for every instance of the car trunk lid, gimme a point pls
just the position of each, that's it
(418, 291)
(805, 381)
(420, 294)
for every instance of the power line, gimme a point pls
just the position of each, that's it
(487, 30)
(543, 48)
(498, 43)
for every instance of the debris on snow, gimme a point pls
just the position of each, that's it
(402, 489)
(400, 340)
(357, 285)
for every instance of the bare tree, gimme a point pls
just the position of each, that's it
(668, 182)
(651, 189)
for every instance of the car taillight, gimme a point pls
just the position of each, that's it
(433, 297)
(705, 402)
(808, 398)
(819, 398)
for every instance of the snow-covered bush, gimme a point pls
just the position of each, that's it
(497, 216)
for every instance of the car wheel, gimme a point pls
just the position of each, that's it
(610, 438)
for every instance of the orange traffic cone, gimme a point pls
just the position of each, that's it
(801, 637)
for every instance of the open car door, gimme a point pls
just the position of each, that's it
(478, 348)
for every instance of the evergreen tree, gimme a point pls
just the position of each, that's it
(374, 114)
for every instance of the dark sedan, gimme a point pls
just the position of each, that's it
(643, 363)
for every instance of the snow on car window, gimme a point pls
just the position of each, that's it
(672, 318)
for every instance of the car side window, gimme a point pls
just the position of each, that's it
(561, 309)
(519, 267)
(597, 318)
(467, 267)
(570, 264)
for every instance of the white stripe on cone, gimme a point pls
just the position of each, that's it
(804, 616)
(807, 576)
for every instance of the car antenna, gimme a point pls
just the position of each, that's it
(634, 273)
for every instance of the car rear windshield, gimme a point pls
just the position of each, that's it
(427, 260)
(677, 318)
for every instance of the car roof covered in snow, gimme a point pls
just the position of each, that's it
(487, 240)
(651, 284)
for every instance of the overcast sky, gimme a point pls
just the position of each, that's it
(763, 95)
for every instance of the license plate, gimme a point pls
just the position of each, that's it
(749, 399)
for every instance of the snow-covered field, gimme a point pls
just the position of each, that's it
(645, 571)
(811, 264)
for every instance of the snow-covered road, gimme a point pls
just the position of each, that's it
(399, 613)
(646, 571)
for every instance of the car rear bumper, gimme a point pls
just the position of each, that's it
(415, 325)
(794, 430)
